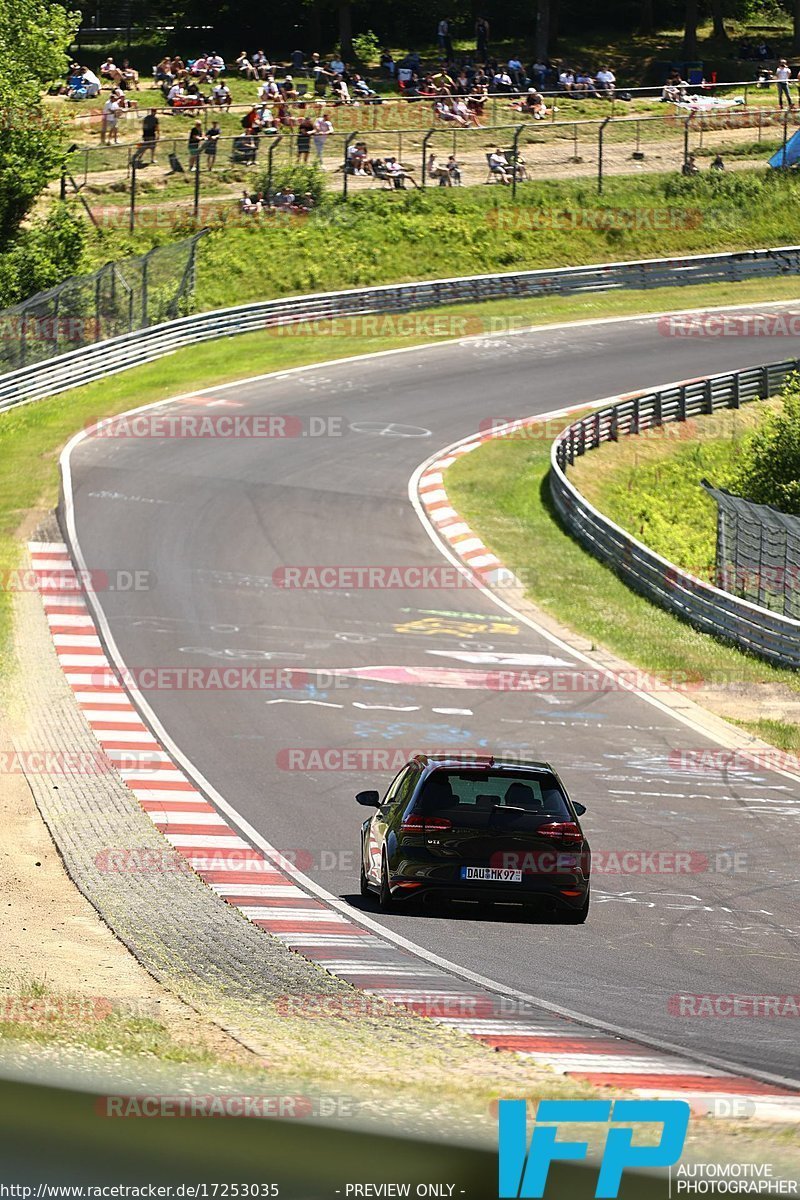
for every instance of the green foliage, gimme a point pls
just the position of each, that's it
(298, 178)
(769, 467)
(367, 48)
(42, 256)
(34, 35)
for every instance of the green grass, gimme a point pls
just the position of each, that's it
(381, 237)
(31, 436)
(650, 485)
(501, 490)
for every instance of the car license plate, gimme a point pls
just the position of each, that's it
(491, 874)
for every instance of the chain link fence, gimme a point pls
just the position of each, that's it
(758, 552)
(117, 298)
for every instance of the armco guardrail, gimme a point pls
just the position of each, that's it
(758, 630)
(116, 354)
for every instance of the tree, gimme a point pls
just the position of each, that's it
(690, 30)
(34, 36)
(769, 469)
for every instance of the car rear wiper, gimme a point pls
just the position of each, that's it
(508, 808)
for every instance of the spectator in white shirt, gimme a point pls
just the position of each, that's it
(605, 80)
(322, 131)
(783, 75)
(221, 96)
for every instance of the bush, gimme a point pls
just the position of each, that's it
(769, 467)
(42, 256)
(298, 178)
(367, 48)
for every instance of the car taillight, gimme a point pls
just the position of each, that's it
(416, 823)
(561, 831)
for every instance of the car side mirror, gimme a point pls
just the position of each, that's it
(369, 799)
(580, 809)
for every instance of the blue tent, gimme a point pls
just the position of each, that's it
(792, 153)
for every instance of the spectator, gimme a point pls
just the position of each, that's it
(322, 131)
(674, 89)
(517, 73)
(199, 68)
(606, 81)
(566, 80)
(151, 132)
(175, 93)
(396, 173)
(162, 73)
(108, 128)
(90, 82)
(538, 72)
(298, 62)
(341, 92)
(246, 68)
(443, 39)
(221, 95)
(499, 165)
(196, 140)
(216, 65)
(251, 120)
(129, 77)
(304, 131)
(481, 39)
(717, 164)
(690, 167)
(501, 81)
(362, 90)
(261, 64)
(109, 70)
(388, 64)
(246, 204)
(533, 104)
(454, 170)
(336, 66)
(440, 174)
(213, 134)
(584, 83)
(783, 75)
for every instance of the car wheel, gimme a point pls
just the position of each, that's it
(385, 894)
(575, 916)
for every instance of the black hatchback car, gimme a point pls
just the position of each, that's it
(467, 828)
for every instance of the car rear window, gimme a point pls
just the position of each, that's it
(462, 793)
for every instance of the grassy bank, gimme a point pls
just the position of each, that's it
(502, 491)
(381, 237)
(651, 485)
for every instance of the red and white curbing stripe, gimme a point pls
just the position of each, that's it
(247, 879)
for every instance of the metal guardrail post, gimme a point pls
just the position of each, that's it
(423, 172)
(515, 153)
(600, 135)
(347, 142)
(132, 214)
(273, 145)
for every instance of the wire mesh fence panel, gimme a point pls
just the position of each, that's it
(758, 552)
(116, 299)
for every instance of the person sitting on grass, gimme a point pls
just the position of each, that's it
(690, 167)
(163, 72)
(437, 173)
(221, 95)
(245, 67)
(216, 65)
(246, 204)
(605, 81)
(396, 172)
(109, 70)
(499, 165)
(717, 164)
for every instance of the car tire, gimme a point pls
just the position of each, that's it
(385, 894)
(575, 916)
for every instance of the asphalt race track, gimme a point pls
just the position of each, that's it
(214, 519)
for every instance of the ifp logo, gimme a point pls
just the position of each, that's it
(523, 1169)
